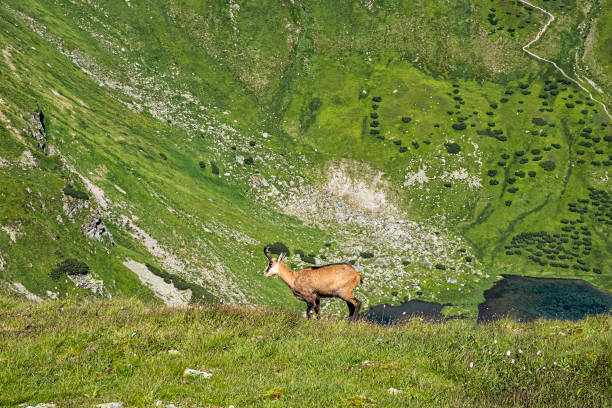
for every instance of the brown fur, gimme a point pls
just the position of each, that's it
(311, 284)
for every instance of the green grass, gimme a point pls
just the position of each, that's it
(81, 353)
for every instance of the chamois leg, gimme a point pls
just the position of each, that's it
(357, 304)
(309, 306)
(318, 307)
(351, 308)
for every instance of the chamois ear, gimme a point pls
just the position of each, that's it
(281, 257)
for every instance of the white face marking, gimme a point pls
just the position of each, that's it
(272, 268)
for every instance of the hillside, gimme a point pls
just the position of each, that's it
(91, 352)
(152, 149)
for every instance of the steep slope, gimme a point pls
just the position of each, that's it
(417, 141)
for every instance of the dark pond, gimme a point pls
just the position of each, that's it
(386, 314)
(526, 299)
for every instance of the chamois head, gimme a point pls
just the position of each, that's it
(273, 263)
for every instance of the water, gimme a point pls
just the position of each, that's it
(526, 299)
(386, 314)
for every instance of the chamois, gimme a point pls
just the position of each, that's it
(311, 284)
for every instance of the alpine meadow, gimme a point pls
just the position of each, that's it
(451, 158)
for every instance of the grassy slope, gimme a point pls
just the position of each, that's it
(267, 80)
(84, 353)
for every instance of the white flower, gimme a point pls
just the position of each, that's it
(512, 361)
(539, 352)
(471, 364)
(495, 341)
(520, 351)
(508, 353)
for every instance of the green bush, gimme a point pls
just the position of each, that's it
(249, 161)
(493, 182)
(69, 190)
(459, 126)
(406, 119)
(366, 255)
(278, 247)
(163, 156)
(252, 143)
(403, 149)
(548, 165)
(452, 148)
(538, 121)
(69, 266)
(214, 168)
(377, 99)
(202, 165)
(440, 267)
(492, 173)
(374, 115)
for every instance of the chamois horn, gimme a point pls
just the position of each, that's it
(267, 253)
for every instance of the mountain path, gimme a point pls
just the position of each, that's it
(537, 37)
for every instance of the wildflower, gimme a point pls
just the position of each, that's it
(554, 363)
(539, 352)
(495, 341)
(508, 353)
(489, 351)
(512, 361)
(471, 364)
(520, 351)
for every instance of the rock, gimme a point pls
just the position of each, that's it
(190, 372)
(110, 405)
(174, 352)
(259, 181)
(41, 405)
(38, 131)
(394, 391)
(88, 282)
(94, 228)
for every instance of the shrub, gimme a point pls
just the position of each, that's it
(366, 255)
(508, 203)
(569, 105)
(532, 173)
(493, 105)
(406, 119)
(214, 168)
(513, 190)
(374, 115)
(538, 121)
(440, 267)
(249, 160)
(403, 149)
(459, 126)
(415, 145)
(493, 182)
(69, 190)
(452, 147)
(374, 131)
(69, 266)
(374, 123)
(447, 185)
(556, 145)
(374, 106)
(511, 180)
(520, 174)
(519, 153)
(163, 156)
(278, 247)
(202, 165)
(377, 99)
(524, 160)
(535, 151)
(501, 163)
(492, 173)
(548, 165)
(252, 143)
(505, 156)
(397, 142)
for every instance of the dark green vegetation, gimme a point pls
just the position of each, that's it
(198, 132)
(69, 267)
(89, 352)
